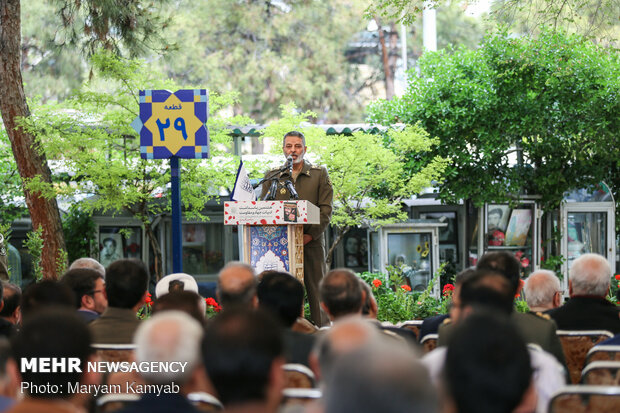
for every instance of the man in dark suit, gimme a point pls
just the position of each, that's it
(126, 288)
(89, 289)
(283, 295)
(588, 309)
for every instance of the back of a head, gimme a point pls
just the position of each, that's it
(186, 301)
(341, 292)
(504, 263)
(89, 263)
(590, 274)
(540, 287)
(282, 294)
(487, 367)
(126, 282)
(169, 336)
(382, 377)
(12, 296)
(238, 350)
(45, 294)
(81, 281)
(236, 285)
(56, 333)
(487, 289)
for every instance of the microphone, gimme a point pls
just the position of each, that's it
(289, 163)
(291, 189)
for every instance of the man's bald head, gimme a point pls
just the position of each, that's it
(341, 293)
(236, 285)
(542, 290)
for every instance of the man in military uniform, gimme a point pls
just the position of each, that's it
(4, 266)
(312, 184)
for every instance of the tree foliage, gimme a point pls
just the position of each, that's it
(552, 103)
(368, 172)
(91, 134)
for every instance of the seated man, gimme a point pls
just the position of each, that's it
(87, 262)
(341, 294)
(11, 313)
(89, 288)
(588, 309)
(126, 288)
(236, 286)
(542, 291)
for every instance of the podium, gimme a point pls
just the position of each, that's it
(271, 233)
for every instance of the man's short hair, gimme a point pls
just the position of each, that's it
(504, 263)
(487, 289)
(53, 333)
(82, 282)
(241, 296)
(12, 296)
(40, 296)
(487, 366)
(186, 301)
(590, 274)
(341, 292)
(126, 282)
(540, 287)
(367, 305)
(238, 349)
(497, 211)
(282, 294)
(87, 262)
(295, 134)
(166, 337)
(382, 377)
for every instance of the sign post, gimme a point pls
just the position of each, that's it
(172, 126)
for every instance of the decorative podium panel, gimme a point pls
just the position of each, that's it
(272, 233)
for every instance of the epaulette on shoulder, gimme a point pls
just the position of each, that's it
(542, 315)
(315, 167)
(447, 321)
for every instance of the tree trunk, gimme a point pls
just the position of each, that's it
(30, 162)
(329, 256)
(158, 270)
(387, 70)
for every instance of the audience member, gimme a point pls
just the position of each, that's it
(283, 295)
(11, 312)
(88, 286)
(243, 355)
(39, 296)
(171, 336)
(341, 294)
(186, 301)
(55, 333)
(535, 329)
(542, 291)
(491, 292)
(126, 288)
(431, 325)
(176, 282)
(89, 263)
(8, 385)
(488, 368)
(588, 309)
(236, 286)
(379, 377)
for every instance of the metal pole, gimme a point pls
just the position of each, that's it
(177, 238)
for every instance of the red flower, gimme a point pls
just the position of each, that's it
(405, 287)
(521, 284)
(148, 300)
(212, 303)
(447, 290)
(377, 283)
(618, 277)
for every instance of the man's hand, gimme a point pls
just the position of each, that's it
(307, 238)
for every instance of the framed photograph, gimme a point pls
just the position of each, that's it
(110, 248)
(447, 234)
(518, 227)
(290, 212)
(497, 217)
(193, 233)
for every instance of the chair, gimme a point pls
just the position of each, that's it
(205, 402)
(113, 402)
(299, 396)
(606, 373)
(298, 376)
(576, 345)
(586, 399)
(429, 342)
(413, 325)
(603, 353)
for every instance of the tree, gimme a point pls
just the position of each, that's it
(518, 115)
(368, 172)
(95, 142)
(107, 25)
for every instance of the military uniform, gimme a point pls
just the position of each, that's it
(4, 266)
(312, 184)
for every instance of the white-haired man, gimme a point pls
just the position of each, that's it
(542, 291)
(171, 337)
(587, 309)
